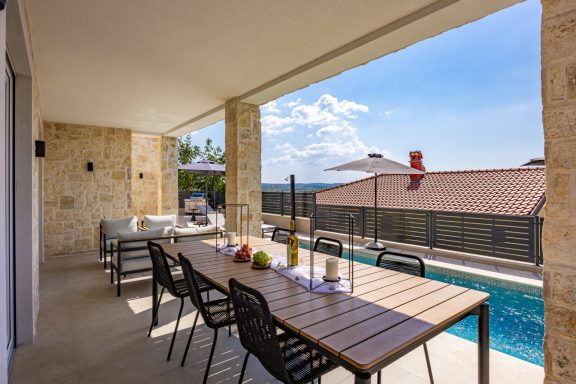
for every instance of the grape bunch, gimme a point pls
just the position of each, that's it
(244, 253)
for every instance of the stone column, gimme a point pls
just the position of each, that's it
(169, 179)
(243, 162)
(559, 237)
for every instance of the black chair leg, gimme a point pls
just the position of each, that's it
(111, 275)
(155, 317)
(244, 367)
(189, 339)
(230, 323)
(175, 329)
(211, 355)
(118, 287)
(428, 364)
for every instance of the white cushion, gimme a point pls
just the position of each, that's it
(112, 226)
(133, 264)
(155, 222)
(197, 231)
(108, 243)
(141, 246)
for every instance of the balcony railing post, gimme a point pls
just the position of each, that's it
(282, 203)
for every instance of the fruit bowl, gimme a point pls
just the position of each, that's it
(244, 254)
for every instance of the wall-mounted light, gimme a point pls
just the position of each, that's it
(40, 148)
(141, 175)
(90, 166)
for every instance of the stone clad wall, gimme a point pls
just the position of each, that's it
(169, 183)
(243, 148)
(559, 235)
(146, 159)
(74, 199)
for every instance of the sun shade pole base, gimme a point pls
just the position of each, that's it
(375, 245)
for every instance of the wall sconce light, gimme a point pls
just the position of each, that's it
(40, 148)
(90, 166)
(141, 175)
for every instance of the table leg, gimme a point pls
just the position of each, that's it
(362, 378)
(154, 298)
(484, 344)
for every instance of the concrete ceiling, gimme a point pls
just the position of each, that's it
(167, 67)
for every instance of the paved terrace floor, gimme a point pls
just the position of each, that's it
(88, 335)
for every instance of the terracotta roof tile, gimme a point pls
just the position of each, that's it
(504, 191)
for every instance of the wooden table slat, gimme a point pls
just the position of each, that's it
(385, 344)
(333, 326)
(396, 310)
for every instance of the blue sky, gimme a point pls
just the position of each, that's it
(469, 99)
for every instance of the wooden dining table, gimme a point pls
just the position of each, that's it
(387, 315)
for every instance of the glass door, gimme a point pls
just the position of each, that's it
(9, 204)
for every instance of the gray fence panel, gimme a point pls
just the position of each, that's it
(501, 236)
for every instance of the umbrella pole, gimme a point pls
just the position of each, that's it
(206, 201)
(375, 208)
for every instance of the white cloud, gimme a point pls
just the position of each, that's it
(270, 107)
(323, 135)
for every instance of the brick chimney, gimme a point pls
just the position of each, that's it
(416, 163)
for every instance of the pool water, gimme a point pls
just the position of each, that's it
(516, 311)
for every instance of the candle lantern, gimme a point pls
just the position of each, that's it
(332, 275)
(237, 223)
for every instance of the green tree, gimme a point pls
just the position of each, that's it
(190, 153)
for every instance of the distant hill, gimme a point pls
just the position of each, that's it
(300, 187)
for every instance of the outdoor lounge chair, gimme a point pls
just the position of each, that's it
(216, 313)
(177, 288)
(284, 355)
(130, 252)
(328, 246)
(412, 265)
(217, 219)
(109, 229)
(280, 235)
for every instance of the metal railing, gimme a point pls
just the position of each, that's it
(501, 236)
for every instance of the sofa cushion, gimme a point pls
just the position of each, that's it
(135, 249)
(112, 226)
(133, 264)
(200, 233)
(155, 222)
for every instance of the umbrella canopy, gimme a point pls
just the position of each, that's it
(377, 164)
(205, 167)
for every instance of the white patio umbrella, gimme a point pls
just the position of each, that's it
(376, 163)
(207, 168)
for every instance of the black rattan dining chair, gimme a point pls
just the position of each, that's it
(284, 355)
(280, 235)
(412, 265)
(216, 313)
(177, 288)
(328, 246)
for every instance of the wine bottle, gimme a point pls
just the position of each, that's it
(292, 243)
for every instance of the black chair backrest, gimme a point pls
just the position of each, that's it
(161, 267)
(401, 262)
(280, 235)
(194, 289)
(256, 328)
(328, 246)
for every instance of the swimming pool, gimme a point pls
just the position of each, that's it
(516, 311)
